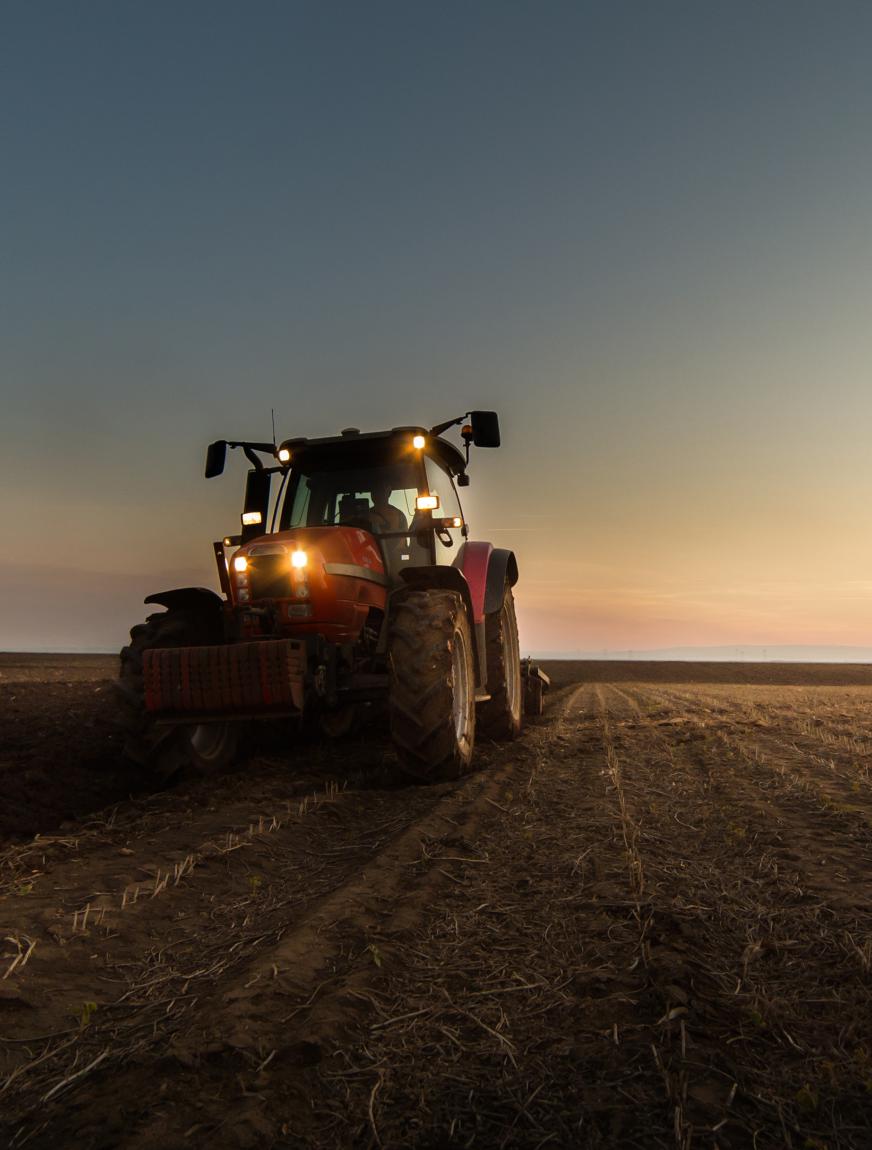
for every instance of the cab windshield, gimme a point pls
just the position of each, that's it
(377, 498)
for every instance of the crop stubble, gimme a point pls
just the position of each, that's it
(648, 923)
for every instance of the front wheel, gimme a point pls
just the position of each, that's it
(209, 747)
(167, 750)
(432, 685)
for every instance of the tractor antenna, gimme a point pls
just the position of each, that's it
(273, 411)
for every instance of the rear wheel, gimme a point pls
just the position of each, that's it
(166, 749)
(501, 716)
(432, 685)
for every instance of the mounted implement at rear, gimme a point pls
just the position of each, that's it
(364, 588)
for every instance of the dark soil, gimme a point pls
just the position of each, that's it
(647, 923)
(59, 755)
(565, 671)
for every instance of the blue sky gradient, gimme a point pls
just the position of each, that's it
(642, 232)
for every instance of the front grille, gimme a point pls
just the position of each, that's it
(269, 577)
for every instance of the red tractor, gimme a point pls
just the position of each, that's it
(355, 583)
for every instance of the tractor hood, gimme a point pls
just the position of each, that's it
(314, 578)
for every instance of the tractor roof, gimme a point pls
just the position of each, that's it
(371, 448)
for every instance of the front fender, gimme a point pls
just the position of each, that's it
(198, 599)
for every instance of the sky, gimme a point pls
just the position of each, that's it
(641, 232)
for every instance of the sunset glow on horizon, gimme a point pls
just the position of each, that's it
(642, 234)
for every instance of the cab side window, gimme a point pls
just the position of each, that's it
(439, 483)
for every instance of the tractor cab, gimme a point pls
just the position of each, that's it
(399, 486)
(357, 517)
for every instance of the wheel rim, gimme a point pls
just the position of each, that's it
(209, 740)
(460, 693)
(512, 655)
(337, 724)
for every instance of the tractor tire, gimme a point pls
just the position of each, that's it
(202, 748)
(432, 685)
(501, 717)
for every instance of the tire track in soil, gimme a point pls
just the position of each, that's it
(805, 732)
(700, 1088)
(826, 849)
(289, 1078)
(206, 855)
(155, 819)
(843, 793)
(256, 909)
(152, 965)
(516, 1011)
(781, 952)
(572, 948)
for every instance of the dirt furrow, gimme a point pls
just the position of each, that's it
(825, 847)
(840, 788)
(816, 718)
(514, 1010)
(110, 977)
(647, 923)
(775, 986)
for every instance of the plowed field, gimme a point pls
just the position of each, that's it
(646, 923)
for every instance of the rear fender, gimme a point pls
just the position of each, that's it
(502, 570)
(449, 579)
(487, 570)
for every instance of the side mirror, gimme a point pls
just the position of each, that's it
(256, 510)
(215, 457)
(485, 428)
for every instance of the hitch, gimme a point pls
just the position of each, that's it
(535, 682)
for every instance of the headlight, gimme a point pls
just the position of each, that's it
(299, 558)
(240, 563)
(427, 502)
(284, 455)
(251, 518)
(418, 441)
